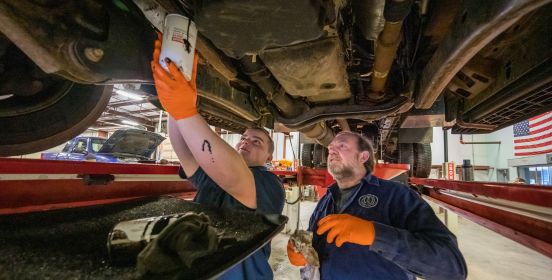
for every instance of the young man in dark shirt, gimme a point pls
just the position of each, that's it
(370, 228)
(224, 177)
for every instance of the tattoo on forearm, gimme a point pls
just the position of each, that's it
(205, 142)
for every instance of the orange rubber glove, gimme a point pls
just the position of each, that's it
(295, 258)
(346, 228)
(176, 94)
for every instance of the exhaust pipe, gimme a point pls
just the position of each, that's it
(259, 74)
(320, 132)
(288, 107)
(388, 41)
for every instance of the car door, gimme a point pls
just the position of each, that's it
(66, 151)
(79, 150)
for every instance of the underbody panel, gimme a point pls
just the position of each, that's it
(314, 66)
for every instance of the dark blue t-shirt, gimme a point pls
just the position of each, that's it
(270, 200)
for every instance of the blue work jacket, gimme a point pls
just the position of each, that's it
(410, 240)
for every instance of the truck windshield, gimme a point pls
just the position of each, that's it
(97, 144)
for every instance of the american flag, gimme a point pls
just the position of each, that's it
(533, 136)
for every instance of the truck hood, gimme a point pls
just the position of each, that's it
(131, 142)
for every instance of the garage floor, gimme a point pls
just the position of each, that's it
(488, 254)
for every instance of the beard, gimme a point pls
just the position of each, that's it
(340, 171)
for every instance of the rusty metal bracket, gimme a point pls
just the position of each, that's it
(97, 50)
(96, 179)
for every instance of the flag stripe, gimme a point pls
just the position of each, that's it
(531, 125)
(534, 153)
(526, 144)
(539, 145)
(540, 137)
(537, 117)
(540, 129)
(543, 121)
(529, 136)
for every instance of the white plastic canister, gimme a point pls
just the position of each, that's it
(179, 40)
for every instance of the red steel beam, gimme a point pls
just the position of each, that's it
(38, 195)
(533, 233)
(64, 205)
(314, 176)
(321, 176)
(531, 194)
(39, 185)
(35, 166)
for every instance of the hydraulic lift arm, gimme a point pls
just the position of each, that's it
(522, 213)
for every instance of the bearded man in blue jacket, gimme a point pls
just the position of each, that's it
(369, 228)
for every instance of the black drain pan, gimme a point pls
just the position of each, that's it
(71, 243)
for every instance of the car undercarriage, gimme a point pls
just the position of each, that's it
(391, 69)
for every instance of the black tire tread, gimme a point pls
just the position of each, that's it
(422, 163)
(307, 155)
(406, 155)
(318, 155)
(56, 124)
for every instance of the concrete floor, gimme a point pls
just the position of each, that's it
(488, 254)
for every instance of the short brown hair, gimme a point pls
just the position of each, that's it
(270, 141)
(364, 144)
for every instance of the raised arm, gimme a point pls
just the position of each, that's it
(185, 156)
(219, 161)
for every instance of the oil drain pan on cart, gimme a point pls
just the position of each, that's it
(71, 243)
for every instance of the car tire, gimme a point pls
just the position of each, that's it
(422, 160)
(60, 121)
(319, 156)
(406, 156)
(307, 155)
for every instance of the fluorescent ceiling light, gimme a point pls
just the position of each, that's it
(2, 97)
(130, 122)
(129, 94)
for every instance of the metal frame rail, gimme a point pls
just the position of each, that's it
(522, 213)
(29, 185)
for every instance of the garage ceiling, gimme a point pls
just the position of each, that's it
(128, 108)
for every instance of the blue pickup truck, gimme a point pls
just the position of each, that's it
(126, 145)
